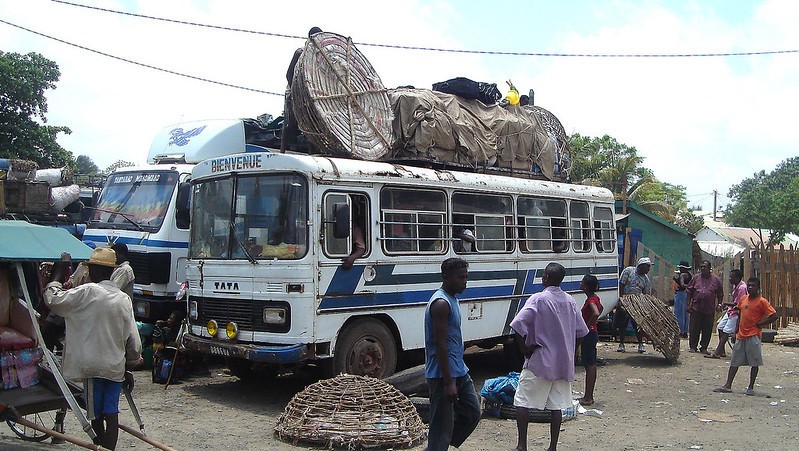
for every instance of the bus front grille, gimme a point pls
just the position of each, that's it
(246, 313)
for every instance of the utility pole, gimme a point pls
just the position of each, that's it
(715, 198)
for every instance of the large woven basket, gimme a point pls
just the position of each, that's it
(352, 412)
(657, 321)
(338, 99)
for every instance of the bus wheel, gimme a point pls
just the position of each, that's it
(366, 348)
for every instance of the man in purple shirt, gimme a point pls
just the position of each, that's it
(704, 293)
(547, 328)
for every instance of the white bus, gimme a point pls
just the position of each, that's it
(147, 208)
(269, 232)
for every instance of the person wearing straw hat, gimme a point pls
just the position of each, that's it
(633, 280)
(101, 339)
(681, 279)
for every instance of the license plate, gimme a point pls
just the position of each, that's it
(216, 350)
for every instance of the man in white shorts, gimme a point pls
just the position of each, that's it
(547, 328)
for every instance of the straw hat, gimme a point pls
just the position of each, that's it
(103, 256)
(644, 261)
(684, 265)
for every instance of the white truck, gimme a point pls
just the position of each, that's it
(147, 208)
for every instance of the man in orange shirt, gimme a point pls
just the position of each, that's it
(755, 312)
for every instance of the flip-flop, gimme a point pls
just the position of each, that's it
(585, 403)
(749, 392)
(722, 390)
(712, 356)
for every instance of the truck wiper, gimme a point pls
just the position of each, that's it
(124, 215)
(247, 253)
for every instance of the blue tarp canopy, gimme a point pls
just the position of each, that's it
(23, 241)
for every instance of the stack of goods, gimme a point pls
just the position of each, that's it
(29, 190)
(352, 412)
(437, 126)
(339, 102)
(656, 321)
(789, 335)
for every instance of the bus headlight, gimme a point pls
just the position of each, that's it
(142, 309)
(193, 310)
(212, 328)
(232, 330)
(274, 315)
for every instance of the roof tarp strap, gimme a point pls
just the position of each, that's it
(62, 384)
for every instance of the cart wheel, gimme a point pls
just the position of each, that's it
(45, 419)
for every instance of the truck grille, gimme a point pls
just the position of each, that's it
(150, 267)
(246, 313)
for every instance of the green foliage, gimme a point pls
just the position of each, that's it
(85, 165)
(618, 167)
(23, 108)
(767, 201)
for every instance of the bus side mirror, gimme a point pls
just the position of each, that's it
(341, 220)
(183, 205)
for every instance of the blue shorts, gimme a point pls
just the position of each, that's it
(102, 397)
(588, 348)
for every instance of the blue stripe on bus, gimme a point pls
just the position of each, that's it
(103, 239)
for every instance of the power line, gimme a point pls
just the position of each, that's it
(149, 66)
(445, 50)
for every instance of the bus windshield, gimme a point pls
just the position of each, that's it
(135, 200)
(252, 217)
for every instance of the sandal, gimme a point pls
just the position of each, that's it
(722, 390)
(585, 403)
(712, 356)
(749, 392)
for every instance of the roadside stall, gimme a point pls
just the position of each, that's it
(35, 396)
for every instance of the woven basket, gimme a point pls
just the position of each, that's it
(657, 321)
(338, 99)
(352, 412)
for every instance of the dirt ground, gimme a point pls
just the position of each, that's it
(646, 404)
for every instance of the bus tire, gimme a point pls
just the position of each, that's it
(366, 348)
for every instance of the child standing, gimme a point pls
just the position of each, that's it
(590, 311)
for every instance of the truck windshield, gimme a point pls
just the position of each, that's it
(252, 217)
(135, 200)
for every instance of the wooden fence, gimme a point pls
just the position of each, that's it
(661, 275)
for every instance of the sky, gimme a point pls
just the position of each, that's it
(702, 122)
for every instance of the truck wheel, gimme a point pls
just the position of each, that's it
(366, 348)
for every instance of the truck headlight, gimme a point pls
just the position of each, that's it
(212, 328)
(142, 309)
(274, 315)
(193, 310)
(232, 330)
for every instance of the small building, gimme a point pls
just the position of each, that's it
(719, 242)
(667, 240)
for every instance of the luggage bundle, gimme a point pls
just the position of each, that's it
(343, 109)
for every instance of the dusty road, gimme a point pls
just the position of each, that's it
(647, 404)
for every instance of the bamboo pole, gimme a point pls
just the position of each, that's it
(145, 438)
(58, 435)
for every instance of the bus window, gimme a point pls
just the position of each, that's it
(542, 224)
(580, 226)
(488, 215)
(412, 220)
(358, 229)
(604, 232)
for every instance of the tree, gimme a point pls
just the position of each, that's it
(23, 133)
(85, 165)
(767, 201)
(116, 165)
